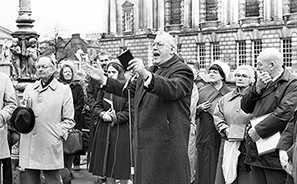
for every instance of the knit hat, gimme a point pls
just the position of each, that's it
(224, 68)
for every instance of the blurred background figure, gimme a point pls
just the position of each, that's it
(208, 139)
(192, 150)
(195, 66)
(110, 156)
(228, 112)
(8, 103)
(68, 77)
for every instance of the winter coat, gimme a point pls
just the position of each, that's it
(161, 123)
(280, 99)
(42, 148)
(228, 112)
(8, 103)
(208, 139)
(78, 102)
(111, 148)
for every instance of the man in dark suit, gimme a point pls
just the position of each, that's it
(162, 97)
(275, 93)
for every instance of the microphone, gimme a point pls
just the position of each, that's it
(131, 78)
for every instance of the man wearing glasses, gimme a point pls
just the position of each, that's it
(42, 148)
(162, 97)
(275, 93)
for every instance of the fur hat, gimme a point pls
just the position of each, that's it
(224, 66)
(23, 120)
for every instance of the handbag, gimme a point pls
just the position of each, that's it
(74, 142)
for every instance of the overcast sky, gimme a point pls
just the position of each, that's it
(74, 16)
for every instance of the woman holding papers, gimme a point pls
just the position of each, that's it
(230, 121)
(208, 139)
(110, 156)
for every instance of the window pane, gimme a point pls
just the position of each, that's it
(202, 55)
(257, 50)
(287, 52)
(242, 53)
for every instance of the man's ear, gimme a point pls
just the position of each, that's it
(172, 50)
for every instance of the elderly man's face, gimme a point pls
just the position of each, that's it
(162, 49)
(45, 68)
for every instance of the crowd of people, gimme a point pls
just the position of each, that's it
(154, 125)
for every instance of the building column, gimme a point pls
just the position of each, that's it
(195, 13)
(235, 14)
(241, 9)
(113, 16)
(286, 7)
(203, 10)
(149, 14)
(161, 14)
(167, 12)
(267, 10)
(141, 16)
(187, 11)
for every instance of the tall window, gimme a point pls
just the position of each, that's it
(287, 52)
(211, 10)
(252, 8)
(175, 12)
(127, 18)
(202, 54)
(216, 52)
(127, 21)
(241, 52)
(257, 48)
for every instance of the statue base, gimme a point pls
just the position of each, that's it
(6, 68)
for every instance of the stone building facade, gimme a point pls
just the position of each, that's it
(205, 30)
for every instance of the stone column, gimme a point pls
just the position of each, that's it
(167, 12)
(149, 14)
(161, 14)
(203, 10)
(113, 16)
(187, 12)
(195, 13)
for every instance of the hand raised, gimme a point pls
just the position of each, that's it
(262, 80)
(95, 73)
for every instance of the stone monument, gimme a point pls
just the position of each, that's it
(24, 48)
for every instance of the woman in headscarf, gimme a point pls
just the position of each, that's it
(208, 139)
(110, 156)
(68, 77)
(229, 118)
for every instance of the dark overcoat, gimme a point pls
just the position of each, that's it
(111, 148)
(208, 139)
(162, 123)
(280, 99)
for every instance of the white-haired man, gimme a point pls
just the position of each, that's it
(275, 92)
(162, 97)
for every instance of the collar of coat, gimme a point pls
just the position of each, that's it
(52, 85)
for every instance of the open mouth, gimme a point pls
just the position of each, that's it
(156, 54)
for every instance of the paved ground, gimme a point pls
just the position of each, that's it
(83, 176)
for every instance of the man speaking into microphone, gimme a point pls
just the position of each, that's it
(162, 96)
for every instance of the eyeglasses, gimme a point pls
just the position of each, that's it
(42, 66)
(159, 45)
(241, 75)
(104, 60)
(213, 71)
